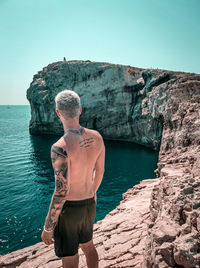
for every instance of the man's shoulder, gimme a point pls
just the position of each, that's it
(94, 133)
(59, 146)
(59, 143)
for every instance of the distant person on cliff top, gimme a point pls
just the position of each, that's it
(78, 162)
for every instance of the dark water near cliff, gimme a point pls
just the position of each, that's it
(27, 181)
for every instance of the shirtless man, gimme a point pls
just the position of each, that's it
(78, 162)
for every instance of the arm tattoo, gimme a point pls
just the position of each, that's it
(61, 170)
(57, 152)
(59, 162)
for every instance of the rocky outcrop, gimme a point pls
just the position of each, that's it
(157, 224)
(173, 235)
(122, 102)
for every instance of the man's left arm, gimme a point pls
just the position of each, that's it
(59, 162)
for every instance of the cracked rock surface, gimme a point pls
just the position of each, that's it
(173, 238)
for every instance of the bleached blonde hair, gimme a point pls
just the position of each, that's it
(68, 103)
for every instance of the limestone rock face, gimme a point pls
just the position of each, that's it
(121, 102)
(173, 238)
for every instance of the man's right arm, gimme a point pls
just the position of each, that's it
(99, 169)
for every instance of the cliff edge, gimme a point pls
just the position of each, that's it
(157, 224)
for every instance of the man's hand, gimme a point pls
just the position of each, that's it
(47, 237)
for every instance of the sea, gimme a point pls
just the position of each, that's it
(27, 179)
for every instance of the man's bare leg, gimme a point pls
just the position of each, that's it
(70, 262)
(91, 254)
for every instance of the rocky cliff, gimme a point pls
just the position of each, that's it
(121, 102)
(157, 224)
(173, 238)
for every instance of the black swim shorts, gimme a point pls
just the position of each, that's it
(74, 226)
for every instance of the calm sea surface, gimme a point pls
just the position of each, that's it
(27, 181)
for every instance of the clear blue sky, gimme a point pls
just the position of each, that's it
(160, 34)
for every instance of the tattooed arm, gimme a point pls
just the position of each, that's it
(59, 162)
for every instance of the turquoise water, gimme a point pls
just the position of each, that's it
(27, 181)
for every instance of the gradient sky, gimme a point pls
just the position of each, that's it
(162, 34)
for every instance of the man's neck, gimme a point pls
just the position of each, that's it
(71, 123)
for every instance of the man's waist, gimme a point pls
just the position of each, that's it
(82, 202)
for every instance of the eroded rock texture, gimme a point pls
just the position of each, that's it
(157, 225)
(173, 238)
(122, 102)
(173, 235)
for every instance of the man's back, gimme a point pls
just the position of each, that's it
(85, 153)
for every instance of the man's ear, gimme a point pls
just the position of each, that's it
(80, 111)
(58, 113)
